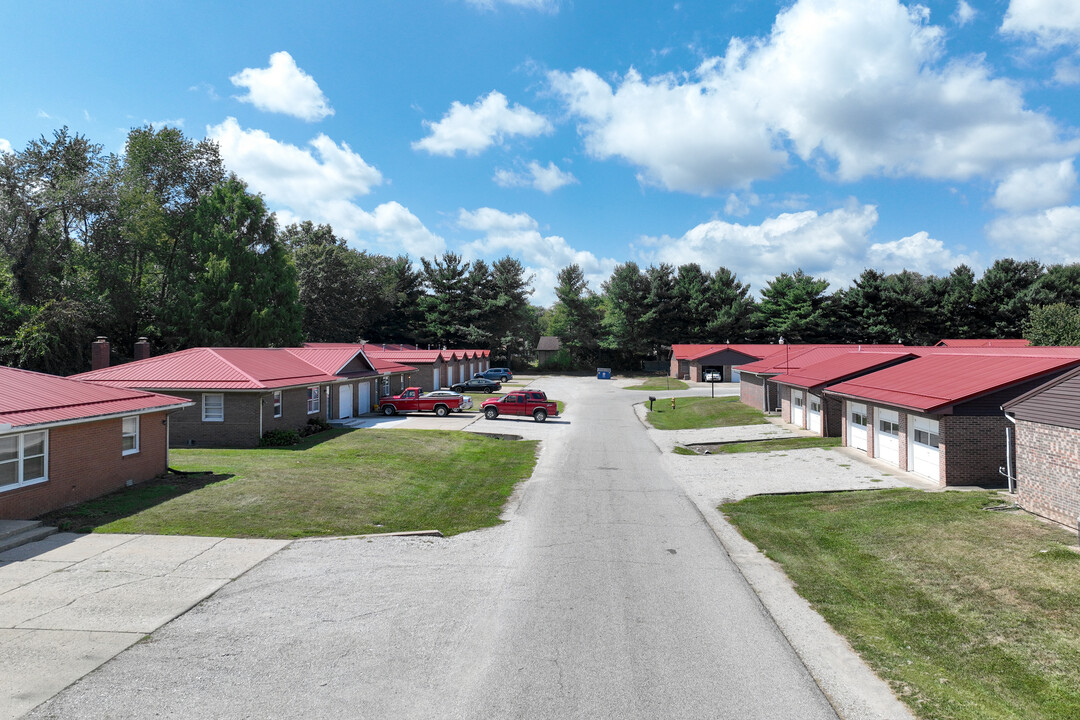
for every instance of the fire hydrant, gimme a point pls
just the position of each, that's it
(672, 403)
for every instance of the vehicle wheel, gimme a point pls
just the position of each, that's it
(442, 410)
(388, 410)
(503, 378)
(539, 414)
(491, 413)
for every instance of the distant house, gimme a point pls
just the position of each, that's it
(241, 393)
(546, 348)
(434, 369)
(1047, 460)
(940, 415)
(690, 362)
(63, 441)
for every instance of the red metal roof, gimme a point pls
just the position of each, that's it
(938, 380)
(693, 352)
(794, 357)
(838, 368)
(30, 398)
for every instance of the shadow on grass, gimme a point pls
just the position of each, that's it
(90, 515)
(311, 440)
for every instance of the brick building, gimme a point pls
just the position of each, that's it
(64, 442)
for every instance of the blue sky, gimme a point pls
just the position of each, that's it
(831, 135)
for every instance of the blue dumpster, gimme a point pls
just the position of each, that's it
(603, 373)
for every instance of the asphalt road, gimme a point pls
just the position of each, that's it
(606, 595)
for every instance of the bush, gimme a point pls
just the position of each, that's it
(314, 425)
(560, 361)
(279, 438)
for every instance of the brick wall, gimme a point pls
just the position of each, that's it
(785, 403)
(752, 390)
(695, 372)
(86, 461)
(972, 449)
(241, 426)
(1048, 470)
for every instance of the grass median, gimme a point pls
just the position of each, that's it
(702, 412)
(771, 445)
(968, 613)
(335, 483)
(659, 383)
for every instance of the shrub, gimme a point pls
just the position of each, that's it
(314, 425)
(279, 438)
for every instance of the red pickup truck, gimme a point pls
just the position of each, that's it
(413, 400)
(519, 402)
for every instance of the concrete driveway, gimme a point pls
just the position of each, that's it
(71, 602)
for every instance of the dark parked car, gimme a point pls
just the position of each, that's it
(477, 384)
(500, 374)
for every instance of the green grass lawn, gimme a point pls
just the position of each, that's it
(335, 483)
(702, 412)
(660, 383)
(969, 614)
(784, 443)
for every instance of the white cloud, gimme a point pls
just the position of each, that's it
(320, 183)
(545, 179)
(283, 88)
(543, 255)
(919, 253)
(550, 6)
(1067, 71)
(853, 87)
(177, 123)
(1037, 187)
(740, 206)
(964, 13)
(5, 146)
(1048, 22)
(474, 128)
(1052, 235)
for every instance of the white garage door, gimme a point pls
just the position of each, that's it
(813, 414)
(887, 436)
(797, 407)
(856, 426)
(364, 404)
(435, 379)
(344, 401)
(923, 453)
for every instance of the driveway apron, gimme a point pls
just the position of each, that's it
(606, 595)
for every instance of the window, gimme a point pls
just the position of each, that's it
(313, 400)
(23, 459)
(889, 428)
(277, 403)
(924, 437)
(797, 399)
(858, 418)
(815, 405)
(213, 407)
(129, 435)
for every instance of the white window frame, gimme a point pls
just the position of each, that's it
(313, 399)
(277, 403)
(213, 417)
(20, 460)
(128, 432)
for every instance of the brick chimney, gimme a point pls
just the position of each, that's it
(142, 349)
(99, 353)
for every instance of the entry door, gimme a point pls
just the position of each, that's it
(813, 414)
(435, 379)
(365, 399)
(887, 436)
(797, 400)
(923, 452)
(856, 426)
(344, 401)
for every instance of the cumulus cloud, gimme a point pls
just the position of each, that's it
(283, 88)
(1048, 22)
(855, 88)
(321, 183)
(1044, 186)
(1052, 235)
(544, 256)
(5, 146)
(550, 6)
(545, 179)
(474, 128)
(964, 13)
(919, 252)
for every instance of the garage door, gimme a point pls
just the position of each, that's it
(887, 436)
(923, 453)
(856, 426)
(344, 401)
(813, 414)
(364, 405)
(797, 407)
(435, 379)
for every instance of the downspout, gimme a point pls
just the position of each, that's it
(1008, 469)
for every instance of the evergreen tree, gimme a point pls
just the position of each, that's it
(730, 307)
(623, 326)
(1002, 297)
(791, 307)
(575, 320)
(446, 306)
(661, 311)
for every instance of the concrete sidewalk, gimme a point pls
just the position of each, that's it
(70, 603)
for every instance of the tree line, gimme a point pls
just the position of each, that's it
(161, 242)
